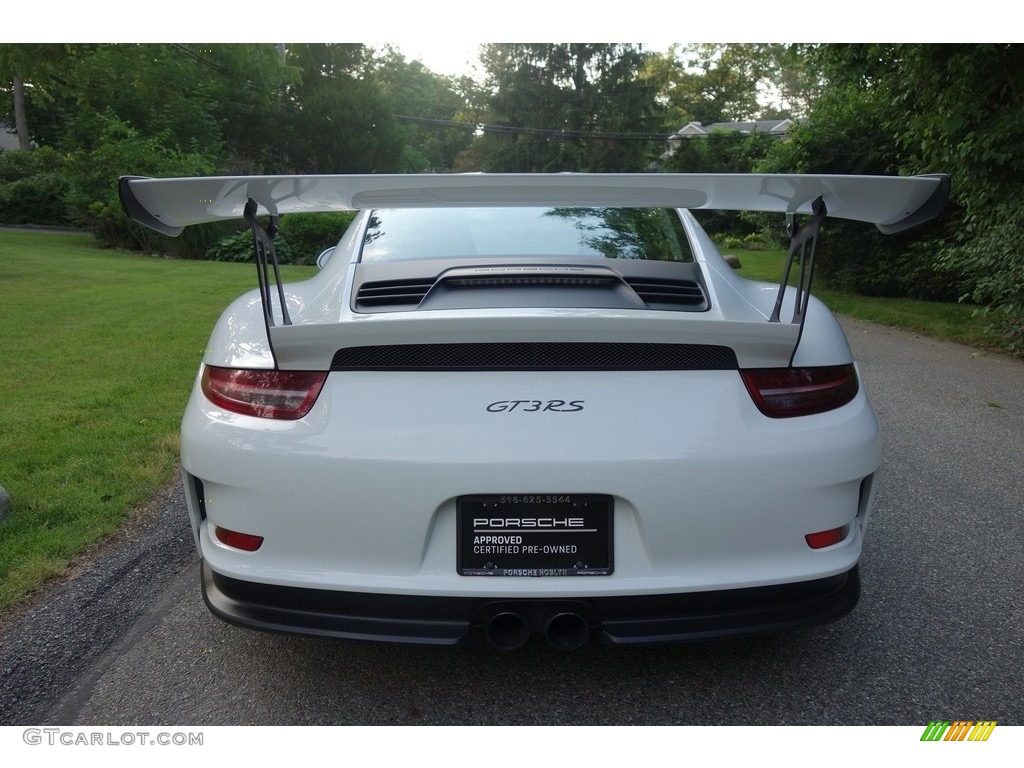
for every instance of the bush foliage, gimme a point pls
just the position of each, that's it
(308, 234)
(33, 186)
(93, 197)
(238, 247)
(300, 239)
(991, 264)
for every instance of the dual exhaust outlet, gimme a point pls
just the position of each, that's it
(565, 630)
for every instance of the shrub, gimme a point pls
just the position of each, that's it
(238, 248)
(755, 241)
(93, 200)
(729, 242)
(857, 257)
(991, 264)
(308, 234)
(33, 186)
(16, 165)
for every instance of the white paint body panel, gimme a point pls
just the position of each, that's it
(360, 494)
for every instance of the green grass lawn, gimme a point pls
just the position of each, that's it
(98, 351)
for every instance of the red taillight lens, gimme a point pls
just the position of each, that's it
(245, 541)
(784, 392)
(268, 394)
(826, 538)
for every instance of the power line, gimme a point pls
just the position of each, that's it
(204, 61)
(212, 65)
(526, 131)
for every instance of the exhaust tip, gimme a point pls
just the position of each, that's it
(507, 631)
(567, 631)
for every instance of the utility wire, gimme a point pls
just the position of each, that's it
(211, 64)
(522, 130)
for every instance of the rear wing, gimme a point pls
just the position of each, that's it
(892, 203)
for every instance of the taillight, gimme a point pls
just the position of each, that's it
(244, 541)
(267, 394)
(823, 539)
(784, 392)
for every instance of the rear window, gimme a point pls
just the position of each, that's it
(454, 233)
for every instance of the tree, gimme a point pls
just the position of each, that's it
(566, 107)
(166, 109)
(796, 83)
(712, 83)
(202, 97)
(247, 88)
(428, 108)
(339, 118)
(35, 64)
(157, 90)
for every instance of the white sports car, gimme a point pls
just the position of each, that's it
(530, 404)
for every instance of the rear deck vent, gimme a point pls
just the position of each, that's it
(658, 292)
(392, 293)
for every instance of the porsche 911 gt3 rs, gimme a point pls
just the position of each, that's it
(525, 404)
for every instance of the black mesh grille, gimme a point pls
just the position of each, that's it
(536, 356)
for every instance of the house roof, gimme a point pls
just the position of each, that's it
(694, 128)
(756, 126)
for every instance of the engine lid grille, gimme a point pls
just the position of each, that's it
(656, 291)
(397, 293)
(451, 284)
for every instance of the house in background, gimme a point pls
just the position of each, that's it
(8, 139)
(694, 129)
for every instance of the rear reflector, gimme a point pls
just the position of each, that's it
(781, 393)
(267, 394)
(245, 541)
(827, 538)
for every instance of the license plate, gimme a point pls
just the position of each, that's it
(535, 535)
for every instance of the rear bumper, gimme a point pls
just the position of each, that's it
(619, 621)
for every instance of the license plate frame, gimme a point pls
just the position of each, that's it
(535, 535)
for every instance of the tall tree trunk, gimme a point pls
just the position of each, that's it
(20, 121)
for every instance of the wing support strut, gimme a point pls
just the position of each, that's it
(265, 254)
(803, 246)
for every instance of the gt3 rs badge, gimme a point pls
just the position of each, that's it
(535, 406)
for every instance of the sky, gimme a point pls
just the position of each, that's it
(455, 58)
(460, 58)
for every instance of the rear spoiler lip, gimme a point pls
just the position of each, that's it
(169, 205)
(931, 209)
(137, 212)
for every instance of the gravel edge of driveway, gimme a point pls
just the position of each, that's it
(55, 645)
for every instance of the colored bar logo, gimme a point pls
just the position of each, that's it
(960, 730)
